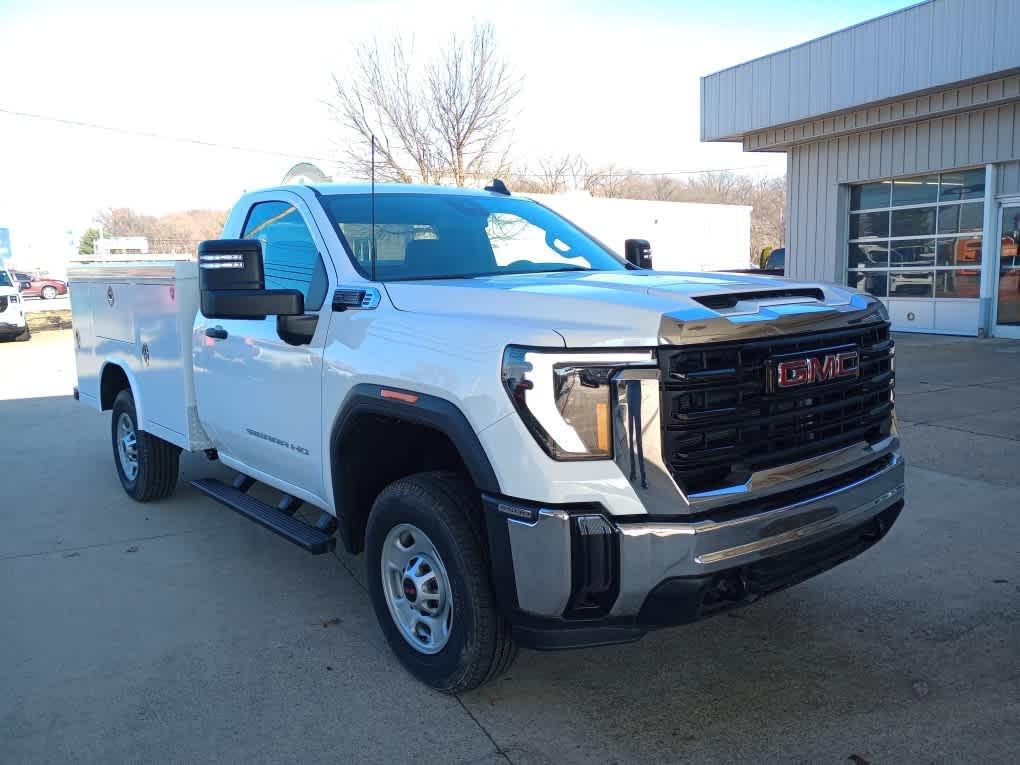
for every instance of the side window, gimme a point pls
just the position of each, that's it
(291, 258)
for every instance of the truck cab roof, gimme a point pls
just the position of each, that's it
(334, 189)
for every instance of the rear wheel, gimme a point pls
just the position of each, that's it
(429, 582)
(147, 466)
(24, 337)
(49, 292)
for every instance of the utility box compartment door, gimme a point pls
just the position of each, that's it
(112, 311)
(85, 343)
(160, 355)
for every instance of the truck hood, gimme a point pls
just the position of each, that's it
(640, 308)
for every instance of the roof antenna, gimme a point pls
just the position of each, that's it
(498, 187)
(373, 207)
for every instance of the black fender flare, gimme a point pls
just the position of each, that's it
(412, 407)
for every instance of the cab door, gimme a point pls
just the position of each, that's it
(258, 383)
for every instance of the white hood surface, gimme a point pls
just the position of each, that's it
(589, 309)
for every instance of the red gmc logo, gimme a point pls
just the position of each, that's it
(832, 366)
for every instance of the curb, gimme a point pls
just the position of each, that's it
(41, 321)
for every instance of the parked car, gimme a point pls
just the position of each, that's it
(12, 318)
(535, 442)
(38, 286)
(775, 265)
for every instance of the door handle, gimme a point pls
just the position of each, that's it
(217, 333)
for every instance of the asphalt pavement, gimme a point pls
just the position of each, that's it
(178, 631)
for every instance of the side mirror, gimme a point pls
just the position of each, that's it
(638, 253)
(232, 283)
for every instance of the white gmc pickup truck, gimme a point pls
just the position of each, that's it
(534, 441)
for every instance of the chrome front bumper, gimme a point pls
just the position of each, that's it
(543, 541)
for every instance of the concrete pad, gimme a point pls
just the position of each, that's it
(961, 453)
(179, 631)
(939, 407)
(908, 653)
(1004, 423)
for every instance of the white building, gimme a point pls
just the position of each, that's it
(684, 236)
(115, 246)
(902, 138)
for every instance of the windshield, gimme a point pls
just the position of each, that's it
(5, 279)
(432, 236)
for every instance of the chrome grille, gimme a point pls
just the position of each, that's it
(721, 421)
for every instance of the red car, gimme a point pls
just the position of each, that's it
(34, 286)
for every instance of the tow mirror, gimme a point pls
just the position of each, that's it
(232, 283)
(638, 253)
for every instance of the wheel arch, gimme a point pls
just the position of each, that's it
(431, 422)
(115, 376)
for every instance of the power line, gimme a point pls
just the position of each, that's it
(300, 156)
(161, 136)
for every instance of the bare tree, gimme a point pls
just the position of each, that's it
(445, 121)
(471, 90)
(382, 98)
(663, 188)
(173, 232)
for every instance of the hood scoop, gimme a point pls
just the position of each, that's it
(727, 301)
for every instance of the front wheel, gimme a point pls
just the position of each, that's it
(49, 292)
(429, 582)
(24, 337)
(147, 466)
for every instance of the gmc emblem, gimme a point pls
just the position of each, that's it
(816, 369)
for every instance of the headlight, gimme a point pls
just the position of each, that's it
(564, 398)
(14, 298)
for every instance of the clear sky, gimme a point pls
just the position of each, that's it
(614, 81)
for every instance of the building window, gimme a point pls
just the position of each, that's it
(917, 237)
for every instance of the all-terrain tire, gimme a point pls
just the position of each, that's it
(158, 462)
(447, 509)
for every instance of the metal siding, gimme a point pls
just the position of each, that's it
(1008, 181)
(865, 64)
(841, 158)
(946, 40)
(800, 81)
(918, 54)
(779, 105)
(885, 164)
(726, 101)
(977, 32)
(931, 45)
(1004, 131)
(813, 202)
(989, 133)
(899, 152)
(841, 58)
(827, 213)
(820, 58)
(890, 58)
(743, 95)
(1015, 142)
(762, 75)
(922, 140)
(875, 154)
(1007, 20)
(804, 175)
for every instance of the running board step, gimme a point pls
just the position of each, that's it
(277, 521)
